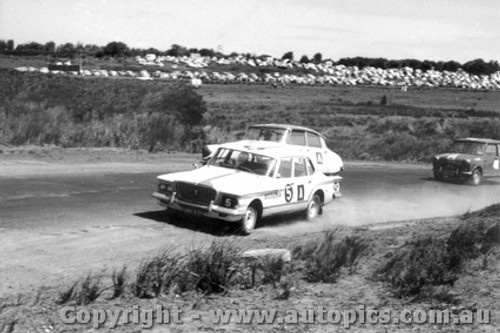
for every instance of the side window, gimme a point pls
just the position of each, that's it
(310, 167)
(285, 170)
(297, 138)
(313, 140)
(491, 150)
(300, 168)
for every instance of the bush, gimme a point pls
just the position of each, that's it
(423, 263)
(211, 270)
(324, 260)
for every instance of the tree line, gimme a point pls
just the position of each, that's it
(117, 49)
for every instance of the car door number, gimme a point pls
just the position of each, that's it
(300, 192)
(289, 192)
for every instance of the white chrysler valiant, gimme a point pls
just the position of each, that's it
(245, 183)
(298, 137)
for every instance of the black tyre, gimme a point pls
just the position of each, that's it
(438, 175)
(476, 177)
(313, 207)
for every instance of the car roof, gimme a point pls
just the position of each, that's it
(267, 148)
(287, 126)
(480, 140)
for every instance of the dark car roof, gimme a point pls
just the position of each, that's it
(287, 126)
(480, 140)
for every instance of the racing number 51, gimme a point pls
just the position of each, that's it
(289, 192)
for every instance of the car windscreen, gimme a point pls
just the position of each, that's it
(265, 133)
(243, 161)
(467, 147)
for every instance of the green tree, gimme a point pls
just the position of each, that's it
(287, 55)
(116, 49)
(177, 51)
(10, 45)
(305, 59)
(67, 50)
(50, 47)
(318, 57)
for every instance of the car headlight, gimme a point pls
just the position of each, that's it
(229, 201)
(165, 187)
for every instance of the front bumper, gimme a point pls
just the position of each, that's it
(211, 211)
(448, 172)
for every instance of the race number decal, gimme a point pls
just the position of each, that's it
(288, 193)
(319, 158)
(300, 192)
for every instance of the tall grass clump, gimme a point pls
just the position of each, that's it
(119, 280)
(325, 259)
(84, 291)
(213, 269)
(158, 274)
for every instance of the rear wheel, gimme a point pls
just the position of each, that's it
(476, 177)
(438, 175)
(249, 220)
(313, 207)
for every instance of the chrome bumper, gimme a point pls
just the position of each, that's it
(212, 210)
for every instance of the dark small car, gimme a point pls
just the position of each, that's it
(468, 159)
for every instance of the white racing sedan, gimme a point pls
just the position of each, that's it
(298, 137)
(243, 184)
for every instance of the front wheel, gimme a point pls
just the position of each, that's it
(438, 175)
(249, 220)
(313, 207)
(476, 177)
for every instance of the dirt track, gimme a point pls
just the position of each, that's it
(60, 220)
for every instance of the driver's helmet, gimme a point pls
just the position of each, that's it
(242, 157)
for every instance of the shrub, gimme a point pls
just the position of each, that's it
(211, 270)
(325, 259)
(423, 263)
(158, 274)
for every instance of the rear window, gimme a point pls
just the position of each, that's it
(300, 167)
(491, 150)
(313, 140)
(297, 138)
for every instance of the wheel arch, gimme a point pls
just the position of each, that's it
(321, 195)
(480, 168)
(257, 204)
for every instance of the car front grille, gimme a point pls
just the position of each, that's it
(200, 195)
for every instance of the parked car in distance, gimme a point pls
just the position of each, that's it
(244, 184)
(299, 137)
(468, 159)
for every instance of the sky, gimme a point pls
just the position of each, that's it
(438, 30)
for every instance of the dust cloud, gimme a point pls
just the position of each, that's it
(424, 199)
